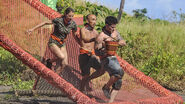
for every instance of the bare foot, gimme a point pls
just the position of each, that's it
(113, 95)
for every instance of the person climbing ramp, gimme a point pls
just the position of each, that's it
(62, 27)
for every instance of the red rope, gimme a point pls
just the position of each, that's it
(44, 72)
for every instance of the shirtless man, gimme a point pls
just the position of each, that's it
(87, 58)
(110, 62)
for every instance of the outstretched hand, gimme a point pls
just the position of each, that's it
(29, 31)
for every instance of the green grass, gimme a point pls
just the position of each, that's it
(157, 49)
(15, 81)
(11, 71)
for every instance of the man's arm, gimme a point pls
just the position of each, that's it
(85, 37)
(121, 41)
(99, 41)
(39, 25)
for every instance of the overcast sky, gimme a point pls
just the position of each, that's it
(156, 8)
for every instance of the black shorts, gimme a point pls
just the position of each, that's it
(86, 62)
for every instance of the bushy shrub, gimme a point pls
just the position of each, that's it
(156, 48)
(10, 66)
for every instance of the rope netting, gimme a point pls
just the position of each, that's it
(17, 16)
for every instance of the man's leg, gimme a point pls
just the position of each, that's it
(96, 74)
(107, 87)
(116, 73)
(115, 88)
(95, 63)
(83, 82)
(111, 81)
(85, 69)
(113, 95)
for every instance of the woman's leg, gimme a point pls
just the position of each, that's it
(63, 49)
(61, 54)
(64, 63)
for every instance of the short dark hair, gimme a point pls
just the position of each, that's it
(68, 10)
(87, 17)
(111, 20)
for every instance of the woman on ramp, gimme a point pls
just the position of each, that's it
(62, 27)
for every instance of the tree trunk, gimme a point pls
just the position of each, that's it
(121, 9)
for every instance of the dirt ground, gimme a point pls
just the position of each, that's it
(8, 97)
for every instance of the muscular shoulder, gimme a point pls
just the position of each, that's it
(102, 34)
(83, 30)
(96, 32)
(118, 35)
(116, 31)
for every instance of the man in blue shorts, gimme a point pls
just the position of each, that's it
(110, 62)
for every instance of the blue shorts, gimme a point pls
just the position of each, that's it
(112, 66)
